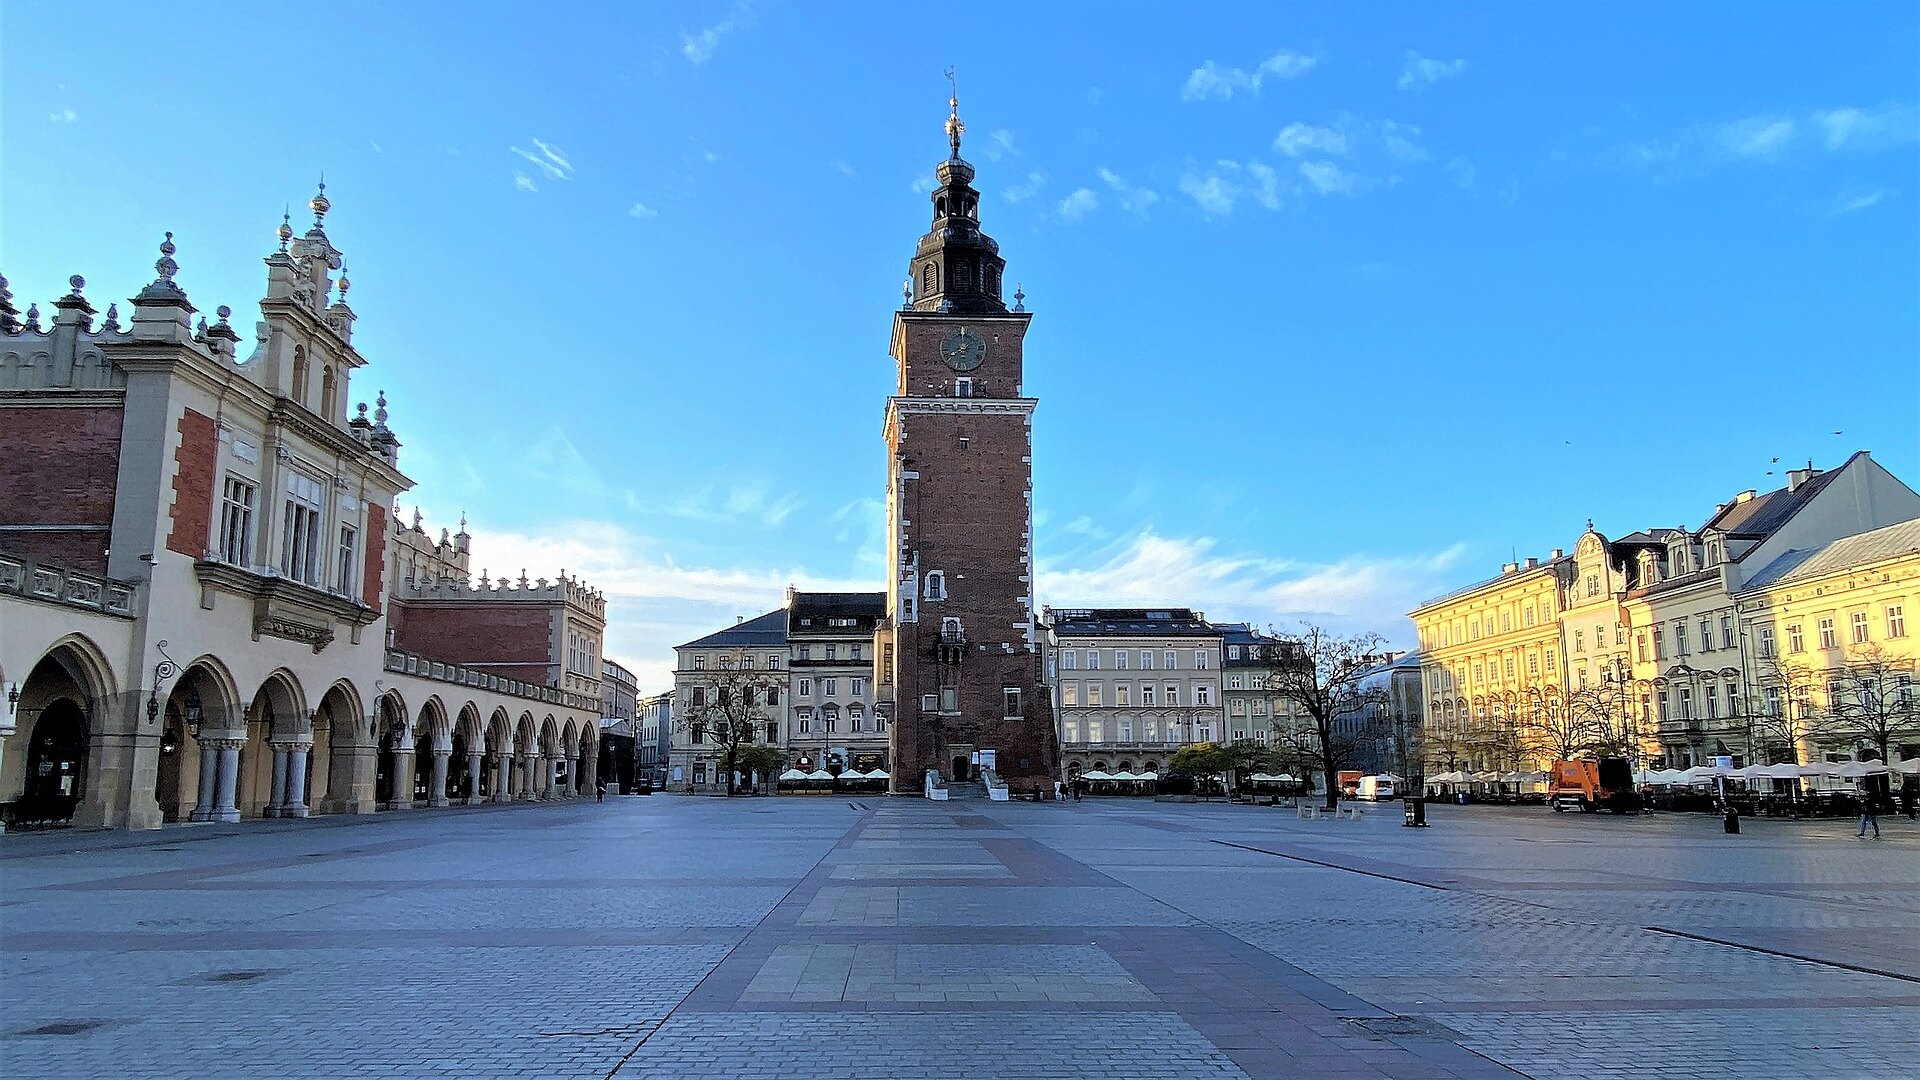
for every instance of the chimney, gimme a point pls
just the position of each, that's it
(1532, 561)
(1744, 496)
(1796, 477)
(1508, 568)
(738, 619)
(1559, 553)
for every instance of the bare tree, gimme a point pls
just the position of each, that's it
(1871, 701)
(1607, 720)
(1560, 729)
(1321, 672)
(728, 707)
(1781, 713)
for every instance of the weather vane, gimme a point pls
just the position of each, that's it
(954, 126)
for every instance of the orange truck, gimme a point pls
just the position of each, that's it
(1350, 782)
(1589, 786)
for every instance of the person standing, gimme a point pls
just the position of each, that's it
(1869, 810)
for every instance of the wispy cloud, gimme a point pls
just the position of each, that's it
(1399, 138)
(1297, 140)
(923, 184)
(1847, 204)
(549, 159)
(63, 116)
(1134, 200)
(1218, 189)
(844, 169)
(1853, 128)
(641, 210)
(1327, 178)
(1461, 172)
(1078, 205)
(1000, 145)
(1354, 593)
(1024, 189)
(1421, 72)
(699, 45)
(523, 182)
(1755, 136)
(1211, 80)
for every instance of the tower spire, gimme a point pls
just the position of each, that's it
(954, 127)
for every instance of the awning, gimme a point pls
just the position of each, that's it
(793, 774)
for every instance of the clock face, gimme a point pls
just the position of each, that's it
(963, 349)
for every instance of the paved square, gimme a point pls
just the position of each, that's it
(669, 937)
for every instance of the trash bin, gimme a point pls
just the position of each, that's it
(1461, 797)
(1414, 813)
(1732, 820)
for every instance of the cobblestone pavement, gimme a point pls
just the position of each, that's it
(671, 936)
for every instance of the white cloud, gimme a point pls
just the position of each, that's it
(641, 210)
(1025, 189)
(1211, 80)
(550, 160)
(376, 147)
(1847, 204)
(1354, 593)
(844, 169)
(1000, 144)
(1327, 178)
(1134, 200)
(1852, 128)
(523, 182)
(1461, 172)
(924, 184)
(698, 46)
(1755, 136)
(1421, 72)
(1399, 141)
(63, 116)
(1078, 205)
(1220, 188)
(1298, 139)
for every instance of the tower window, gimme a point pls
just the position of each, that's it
(929, 280)
(963, 388)
(936, 585)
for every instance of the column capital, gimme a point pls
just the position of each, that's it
(225, 744)
(290, 745)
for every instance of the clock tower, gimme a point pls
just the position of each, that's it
(962, 646)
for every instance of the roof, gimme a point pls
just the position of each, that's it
(1649, 536)
(1860, 549)
(1503, 576)
(768, 629)
(1132, 622)
(867, 608)
(1758, 517)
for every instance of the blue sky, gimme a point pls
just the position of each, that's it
(1336, 305)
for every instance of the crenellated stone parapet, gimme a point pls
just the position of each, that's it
(566, 589)
(31, 580)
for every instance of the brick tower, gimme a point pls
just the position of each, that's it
(964, 651)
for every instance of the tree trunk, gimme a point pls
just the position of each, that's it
(1333, 787)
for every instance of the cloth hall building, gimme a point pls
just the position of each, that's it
(209, 610)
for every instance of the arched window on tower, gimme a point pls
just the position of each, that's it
(940, 206)
(298, 391)
(993, 281)
(929, 280)
(326, 391)
(962, 274)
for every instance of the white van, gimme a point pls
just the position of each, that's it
(1377, 788)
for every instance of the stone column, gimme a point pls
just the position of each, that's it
(228, 776)
(209, 767)
(437, 785)
(278, 792)
(502, 778)
(526, 778)
(295, 805)
(474, 761)
(566, 777)
(402, 780)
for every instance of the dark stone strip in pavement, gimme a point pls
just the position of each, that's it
(1806, 956)
(196, 876)
(1380, 871)
(1035, 863)
(766, 1005)
(284, 940)
(178, 880)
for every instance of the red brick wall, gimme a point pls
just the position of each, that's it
(512, 640)
(62, 468)
(372, 578)
(193, 485)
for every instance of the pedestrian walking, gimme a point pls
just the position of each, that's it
(600, 793)
(1869, 811)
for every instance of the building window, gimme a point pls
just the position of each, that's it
(773, 695)
(963, 388)
(1641, 641)
(1070, 693)
(1896, 621)
(1010, 700)
(1123, 694)
(1593, 585)
(856, 686)
(1680, 638)
(1236, 682)
(700, 663)
(1766, 641)
(829, 687)
(1146, 694)
(1093, 694)
(832, 652)
(1119, 659)
(699, 733)
(1069, 659)
(1659, 644)
(1550, 659)
(1526, 617)
(949, 699)
(1202, 658)
(853, 652)
(1828, 640)
(345, 573)
(1796, 641)
(1093, 659)
(1706, 634)
(1686, 703)
(1233, 652)
(1171, 660)
(1173, 694)
(929, 702)
(936, 585)
(1533, 663)
(300, 553)
(1203, 694)
(236, 523)
(1073, 731)
(1579, 641)
(1509, 667)
(773, 734)
(1859, 628)
(804, 688)
(1146, 659)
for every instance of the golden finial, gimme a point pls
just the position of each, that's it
(954, 127)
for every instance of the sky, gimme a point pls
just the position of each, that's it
(1337, 307)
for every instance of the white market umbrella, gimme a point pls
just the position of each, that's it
(1096, 775)
(1855, 770)
(1123, 775)
(819, 774)
(1909, 767)
(1393, 778)
(793, 774)
(1786, 770)
(1819, 768)
(1148, 775)
(1752, 772)
(879, 774)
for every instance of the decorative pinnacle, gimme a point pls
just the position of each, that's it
(1019, 297)
(285, 231)
(78, 283)
(343, 284)
(165, 266)
(33, 317)
(320, 204)
(906, 292)
(113, 318)
(224, 312)
(380, 410)
(954, 127)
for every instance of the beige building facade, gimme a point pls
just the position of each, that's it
(1133, 685)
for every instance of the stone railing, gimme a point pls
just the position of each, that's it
(58, 585)
(407, 663)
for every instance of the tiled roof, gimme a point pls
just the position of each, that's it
(768, 629)
(1860, 549)
(1759, 516)
(1132, 622)
(1495, 580)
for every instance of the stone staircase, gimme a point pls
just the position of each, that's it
(966, 790)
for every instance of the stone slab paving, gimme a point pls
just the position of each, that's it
(672, 937)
